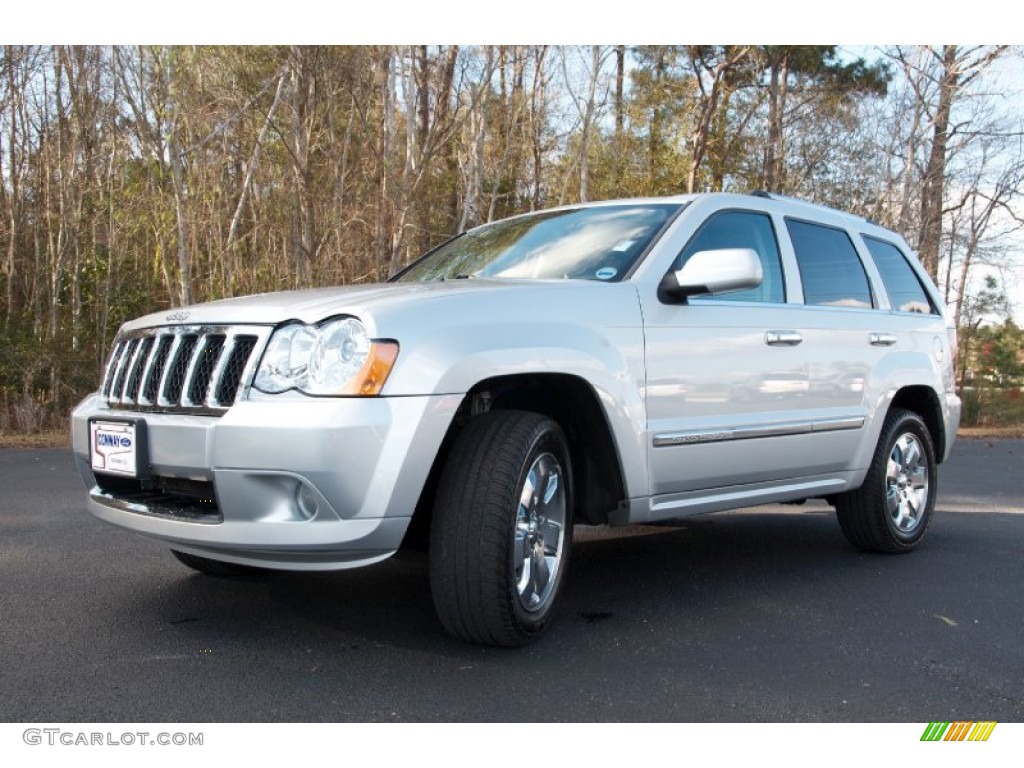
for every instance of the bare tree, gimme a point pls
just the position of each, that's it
(712, 67)
(954, 69)
(589, 104)
(140, 177)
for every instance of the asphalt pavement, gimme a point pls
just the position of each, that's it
(756, 615)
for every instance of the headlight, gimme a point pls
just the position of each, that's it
(335, 357)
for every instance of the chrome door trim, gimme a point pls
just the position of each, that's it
(779, 429)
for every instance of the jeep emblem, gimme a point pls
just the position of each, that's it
(178, 317)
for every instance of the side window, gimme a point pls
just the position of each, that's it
(906, 293)
(830, 269)
(741, 229)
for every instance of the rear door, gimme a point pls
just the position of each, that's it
(844, 335)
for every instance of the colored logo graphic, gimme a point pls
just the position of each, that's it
(959, 731)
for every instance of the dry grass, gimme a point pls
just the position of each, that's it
(45, 439)
(977, 433)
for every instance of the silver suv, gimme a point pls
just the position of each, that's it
(614, 363)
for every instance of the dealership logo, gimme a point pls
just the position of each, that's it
(106, 440)
(958, 731)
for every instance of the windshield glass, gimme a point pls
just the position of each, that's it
(598, 243)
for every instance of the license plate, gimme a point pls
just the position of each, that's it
(115, 447)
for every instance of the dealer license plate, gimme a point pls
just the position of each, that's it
(115, 448)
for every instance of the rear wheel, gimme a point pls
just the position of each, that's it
(216, 568)
(501, 533)
(891, 511)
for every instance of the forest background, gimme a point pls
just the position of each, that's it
(139, 178)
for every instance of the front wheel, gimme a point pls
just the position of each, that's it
(501, 533)
(890, 512)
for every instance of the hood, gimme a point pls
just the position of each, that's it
(362, 301)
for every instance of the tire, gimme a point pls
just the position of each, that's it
(891, 511)
(217, 568)
(497, 564)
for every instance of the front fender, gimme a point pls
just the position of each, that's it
(593, 332)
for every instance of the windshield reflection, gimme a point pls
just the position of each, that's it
(596, 243)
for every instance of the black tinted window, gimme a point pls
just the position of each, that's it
(829, 266)
(901, 283)
(742, 229)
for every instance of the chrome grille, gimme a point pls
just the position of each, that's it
(182, 369)
(181, 358)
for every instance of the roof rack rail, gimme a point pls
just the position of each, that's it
(788, 198)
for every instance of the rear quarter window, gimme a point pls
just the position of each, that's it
(906, 294)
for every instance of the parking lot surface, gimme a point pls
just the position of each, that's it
(757, 615)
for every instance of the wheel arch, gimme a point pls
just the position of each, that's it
(598, 481)
(924, 401)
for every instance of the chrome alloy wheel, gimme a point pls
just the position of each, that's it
(539, 534)
(906, 483)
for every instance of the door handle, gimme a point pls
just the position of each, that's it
(782, 338)
(881, 339)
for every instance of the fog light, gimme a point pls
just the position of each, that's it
(306, 501)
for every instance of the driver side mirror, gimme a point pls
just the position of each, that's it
(710, 272)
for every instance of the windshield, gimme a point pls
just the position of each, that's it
(596, 243)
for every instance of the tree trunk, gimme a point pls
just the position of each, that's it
(410, 168)
(620, 76)
(536, 127)
(422, 74)
(303, 94)
(707, 109)
(474, 171)
(175, 156)
(774, 162)
(250, 167)
(933, 183)
(178, 181)
(656, 129)
(385, 131)
(505, 173)
(14, 174)
(596, 60)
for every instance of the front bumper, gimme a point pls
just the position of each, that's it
(298, 484)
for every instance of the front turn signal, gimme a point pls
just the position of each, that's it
(370, 379)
